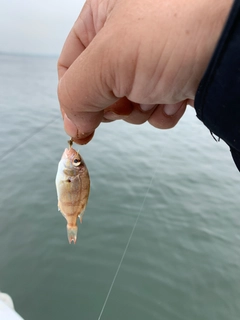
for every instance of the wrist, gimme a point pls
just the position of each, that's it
(210, 28)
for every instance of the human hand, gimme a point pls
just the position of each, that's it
(136, 60)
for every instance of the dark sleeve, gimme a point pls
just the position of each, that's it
(217, 100)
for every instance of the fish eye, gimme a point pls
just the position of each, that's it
(76, 162)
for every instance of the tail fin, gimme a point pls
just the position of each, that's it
(72, 233)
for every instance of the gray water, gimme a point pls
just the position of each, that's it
(161, 234)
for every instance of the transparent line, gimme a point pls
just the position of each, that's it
(126, 248)
(23, 141)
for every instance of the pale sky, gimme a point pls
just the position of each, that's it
(36, 26)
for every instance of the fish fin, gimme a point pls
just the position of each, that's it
(80, 216)
(72, 234)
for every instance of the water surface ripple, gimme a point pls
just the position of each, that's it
(184, 255)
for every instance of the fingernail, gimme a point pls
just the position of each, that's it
(69, 126)
(171, 109)
(146, 107)
(84, 138)
(110, 115)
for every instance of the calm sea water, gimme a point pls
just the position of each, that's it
(161, 233)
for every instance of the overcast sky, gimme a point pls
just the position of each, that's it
(36, 26)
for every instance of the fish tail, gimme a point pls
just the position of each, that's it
(72, 233)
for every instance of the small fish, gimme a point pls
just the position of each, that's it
(73, 187)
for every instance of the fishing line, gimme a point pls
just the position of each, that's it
(126, 248)
(23, 141)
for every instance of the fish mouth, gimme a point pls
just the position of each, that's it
(69, 154)
(65, 154)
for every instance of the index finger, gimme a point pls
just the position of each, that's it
(84, 89)
(78, 39)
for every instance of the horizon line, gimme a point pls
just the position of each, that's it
(12, 53)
